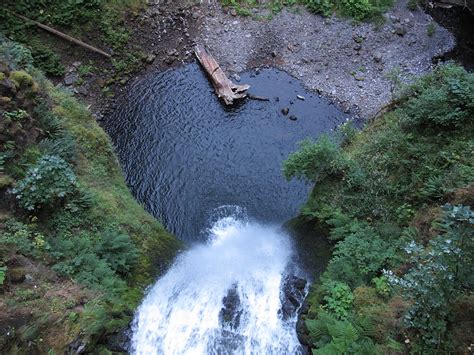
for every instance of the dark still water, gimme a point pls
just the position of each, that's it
(184, 154)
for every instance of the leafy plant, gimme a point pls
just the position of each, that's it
(51, 180)
(118, 250)
(339, 298)
(316, 160)
(441, 273)
(334, 336)
(3, 272)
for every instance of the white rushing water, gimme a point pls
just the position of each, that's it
(183, 312)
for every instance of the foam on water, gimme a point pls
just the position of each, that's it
(181, 312)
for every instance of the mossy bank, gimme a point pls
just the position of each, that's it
(76, 248)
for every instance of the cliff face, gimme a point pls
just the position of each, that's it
(76, 250)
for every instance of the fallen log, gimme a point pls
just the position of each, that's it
(225, 89)
(62, 35)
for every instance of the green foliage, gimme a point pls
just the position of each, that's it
(118, 250)
(333, 336)
(357, 9)
(3, 272)
(338, 298)
(396, 173)
(323, 7)
(315, 160)
(412, 5)
(441, 273)
(430, 29)
(442, 99)
(63, 146)
(21, 79)
(382, 285)
(17, 56)
(48, 61)
(50, 181)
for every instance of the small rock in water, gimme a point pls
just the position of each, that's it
(236, 77)
(277, 99)
(274, 54)
(293, 117)
(285, 110)
(300, 97)
(291, 102)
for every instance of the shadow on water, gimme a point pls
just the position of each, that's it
(184, 154)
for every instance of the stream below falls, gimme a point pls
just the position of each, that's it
(213, 176)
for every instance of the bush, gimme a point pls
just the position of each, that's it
(118, 251)
(316, 160)
(323, 7)
(338, 298)
(441, 273)
(50, 181)
(48, 61)
(444, 98)
(357, 9)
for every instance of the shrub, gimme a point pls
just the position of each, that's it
(442, 272)
(323, 7)
(338, 298)
(48, 61)
(21, 79)
(48, 182)
(332, 336)
(366, 250)
(357, 9)
(118, 251)
(316, 160)
(444, 98)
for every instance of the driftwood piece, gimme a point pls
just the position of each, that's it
(62, 35)
(224, 87)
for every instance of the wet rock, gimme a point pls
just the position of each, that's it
(120, 341)
(230, 313)
(292, 296)
(285, 111)
(236, 77)
(293, 118)
(274, 54)
(300, 97)
(70, 79)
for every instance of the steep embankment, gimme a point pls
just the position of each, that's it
(394, 199)
(76, 249)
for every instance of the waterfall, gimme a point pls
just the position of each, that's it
(222, 297)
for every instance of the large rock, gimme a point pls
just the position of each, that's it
(292, 295)
(231, 312)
